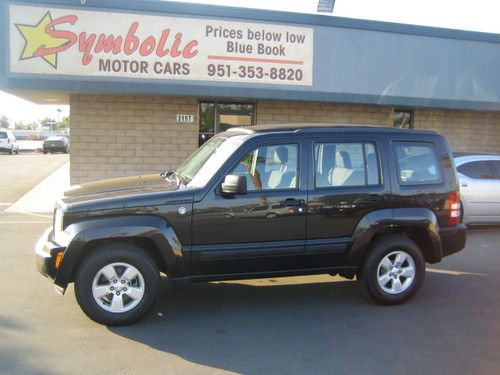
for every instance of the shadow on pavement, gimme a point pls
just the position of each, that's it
(322, 328)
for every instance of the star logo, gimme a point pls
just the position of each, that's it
(37, 38)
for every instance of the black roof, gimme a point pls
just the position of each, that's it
(299, 128)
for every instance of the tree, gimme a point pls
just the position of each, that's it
(4, 122)
(48, 123)
(63, 125)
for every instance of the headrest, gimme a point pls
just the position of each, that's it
(342, 160)
(281, 155)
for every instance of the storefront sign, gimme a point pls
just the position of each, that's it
(93, 43)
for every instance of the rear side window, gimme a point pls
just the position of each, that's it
(417, 163)
(346, 164)
(476, 169)
(3, 135)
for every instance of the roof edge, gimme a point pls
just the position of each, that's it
(271, 16)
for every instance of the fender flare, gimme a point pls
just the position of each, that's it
(395, 220)
(149, 227)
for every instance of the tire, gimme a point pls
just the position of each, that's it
(45, 151)
(17, 151)
(109, 299)
(397, 285)
(11, 150)
(66, 150)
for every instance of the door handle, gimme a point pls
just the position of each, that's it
(375, 198)
(464, 184)
(292, 202)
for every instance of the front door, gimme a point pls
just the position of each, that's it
(260, 231)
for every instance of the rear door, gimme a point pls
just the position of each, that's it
(346, 183)
(3, 139)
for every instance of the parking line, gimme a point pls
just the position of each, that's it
(25, 222)
(455, 273)
(37, 215)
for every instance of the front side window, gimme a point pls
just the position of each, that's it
(270, 167)
(496, 168)
(417, 163)
(346, 164)
(476, 170)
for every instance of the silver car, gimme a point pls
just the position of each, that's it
(479, 177)
(8, 142)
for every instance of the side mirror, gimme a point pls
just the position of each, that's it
(234, 184)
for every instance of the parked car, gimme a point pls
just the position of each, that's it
(58, 143)
(479, 176)
(8, 142)
(353, 201)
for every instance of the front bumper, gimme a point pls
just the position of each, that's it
(452, 239)
(54, 148)
(46, 250)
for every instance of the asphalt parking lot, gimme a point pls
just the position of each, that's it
(302, 325)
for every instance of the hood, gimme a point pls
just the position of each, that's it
(122, 192)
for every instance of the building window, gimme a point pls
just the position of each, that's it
(403, 119)
(217, 117)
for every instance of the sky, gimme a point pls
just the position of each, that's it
(472, 15)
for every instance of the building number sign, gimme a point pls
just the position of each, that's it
(184, 118)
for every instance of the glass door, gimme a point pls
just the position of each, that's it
(217, 117)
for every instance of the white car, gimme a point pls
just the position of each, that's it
(479, 176)
(8, 142)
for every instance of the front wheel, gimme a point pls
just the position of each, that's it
(117, 284)
(393, 271)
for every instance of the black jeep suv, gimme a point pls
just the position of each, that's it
(365, 202)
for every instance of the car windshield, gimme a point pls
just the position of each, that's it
(200, 167)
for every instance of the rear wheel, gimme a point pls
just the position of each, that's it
(117, 284)
(393, 271)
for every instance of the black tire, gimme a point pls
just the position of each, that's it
(11, 150)
(17, 151)
(45, 151)
(385, 248)
(121, 254)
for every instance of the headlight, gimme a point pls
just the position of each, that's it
(58, 223)
(57, 220)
